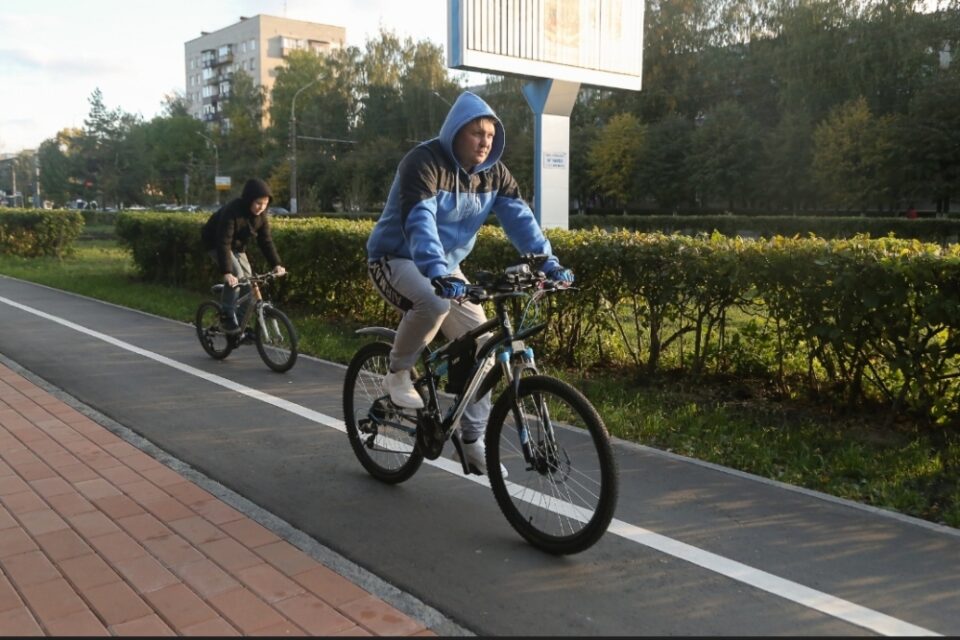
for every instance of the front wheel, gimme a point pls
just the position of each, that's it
(277, 340)
(561, 494)
(383, 436)
(213, 338)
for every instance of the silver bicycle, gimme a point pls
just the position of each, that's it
(261, 324)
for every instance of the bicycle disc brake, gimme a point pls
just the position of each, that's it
(551, 460)
(430, 436)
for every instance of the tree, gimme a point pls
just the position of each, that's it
(614, 155)
(853, 153)
(787, 152)
(427, 91)
(243, 150)
(723, 157)
(931, 140)
(384, 64)
(327, 112)
(172, 147)
(662, 167)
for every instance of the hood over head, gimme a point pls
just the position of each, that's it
(468, 107)
(253, 189)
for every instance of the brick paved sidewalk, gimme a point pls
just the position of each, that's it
(98, 538)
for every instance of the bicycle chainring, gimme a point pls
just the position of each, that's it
(430, 436)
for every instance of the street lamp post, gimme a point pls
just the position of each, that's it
(216, 165)
(293, 145)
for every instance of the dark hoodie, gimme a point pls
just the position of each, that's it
(232, 226)
(435, 206)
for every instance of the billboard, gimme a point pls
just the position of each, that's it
(592, 42)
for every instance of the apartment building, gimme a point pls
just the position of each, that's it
(257, 45)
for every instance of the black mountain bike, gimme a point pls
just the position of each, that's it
(560, 490)
(260, 323)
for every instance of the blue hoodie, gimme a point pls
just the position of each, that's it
(436, 206)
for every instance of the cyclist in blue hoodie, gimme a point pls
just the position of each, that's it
(442, 193)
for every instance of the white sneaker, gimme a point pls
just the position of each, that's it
(400, 387)
(476, 455)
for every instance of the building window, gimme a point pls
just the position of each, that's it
(292, 43)
(243, 47)
(253, 44)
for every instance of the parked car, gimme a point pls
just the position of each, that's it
(83, 205)
(280, 211)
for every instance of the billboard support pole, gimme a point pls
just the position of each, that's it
(552, 102)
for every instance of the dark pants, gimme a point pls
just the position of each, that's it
(239, 267)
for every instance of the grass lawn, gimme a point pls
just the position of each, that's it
(903, 467)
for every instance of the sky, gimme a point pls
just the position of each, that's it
(55, 53)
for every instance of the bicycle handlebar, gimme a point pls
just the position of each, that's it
(514, 281)
(264, 277)
(258, 278)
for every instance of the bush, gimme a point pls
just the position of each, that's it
(38, 232)
(940, 230)
(860, 319)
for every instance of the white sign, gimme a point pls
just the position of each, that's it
(555, 160)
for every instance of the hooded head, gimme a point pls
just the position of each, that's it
(465, 110)
(254, 189)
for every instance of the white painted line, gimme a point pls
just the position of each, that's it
(819, 601)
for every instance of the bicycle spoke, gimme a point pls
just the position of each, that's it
(276, 340)
(383, 437)
(561, 498)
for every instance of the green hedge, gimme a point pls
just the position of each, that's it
(39, 232)
(941, 230)
(856, 319)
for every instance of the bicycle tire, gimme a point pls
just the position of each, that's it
(277, 341)
(563, 502)
(382, 436)
(213, 338)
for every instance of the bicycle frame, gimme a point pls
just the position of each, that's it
(258, 304)
(541, 432)
(505, 347)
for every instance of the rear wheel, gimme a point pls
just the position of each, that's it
(382, 435)
(277, 340)
(562, 499)
(211, 334)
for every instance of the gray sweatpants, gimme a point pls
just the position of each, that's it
(402, 285)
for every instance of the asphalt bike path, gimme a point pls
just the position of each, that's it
(694, 549)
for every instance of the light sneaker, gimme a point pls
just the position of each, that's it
(400, 387)
(476, 455)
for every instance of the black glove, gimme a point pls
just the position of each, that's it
(449, 287)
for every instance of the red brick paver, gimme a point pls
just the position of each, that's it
(98, 538)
